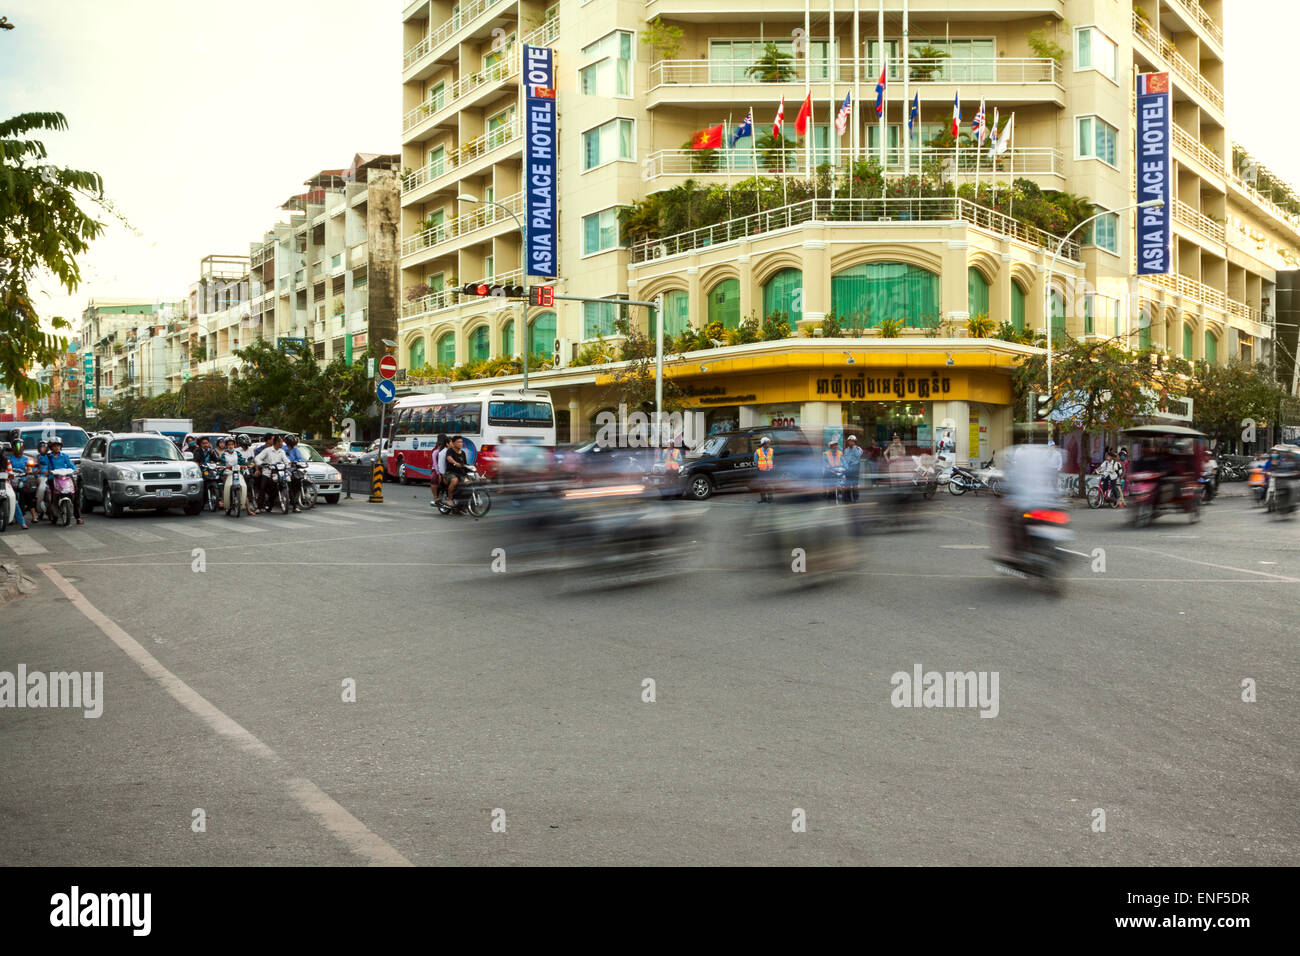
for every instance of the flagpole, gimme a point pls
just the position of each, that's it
(807, 57)
(855, 139)
(753, 138)
(884, 101)
(979, 145)
(832, 74)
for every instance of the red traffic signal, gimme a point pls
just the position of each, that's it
(541, 295)
(483, 289)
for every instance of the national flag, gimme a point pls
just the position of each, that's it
(779, 122)
(956, 115)
(1004, 140)
(880, 92)
(842, 120)
(710, 138)
(977, 126)
(805, 114)
(744, 129)
(915, 115)
(993, 134)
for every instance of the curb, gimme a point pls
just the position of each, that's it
(13, 582)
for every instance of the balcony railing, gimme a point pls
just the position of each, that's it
(467, 152)
(1199, 221)
(802, 71)
(941, 210)
(1189, 288)
(1029, 160)
(1260, 199)
(1194, 10)
(1190, 74)
(1242, 311)
(465, 14)
(1189, 143)
(446, 298)
(482, 215)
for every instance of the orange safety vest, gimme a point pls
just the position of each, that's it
(673, 460)
(764, 458)
(832, 458)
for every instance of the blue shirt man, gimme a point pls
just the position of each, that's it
(296, 455)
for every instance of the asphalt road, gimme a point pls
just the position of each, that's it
(483, 696)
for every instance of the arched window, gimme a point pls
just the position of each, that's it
(447, 348)
(479, 344)
(417, 354)
(1211, 348)
(1017, 306)
(1058, 315)
(724, 303)
(784, 293)
(677, 314)
(1189, 338)
(977, 293)
(1144, 329)
(865, 295)
(541, 334)
(508, 337)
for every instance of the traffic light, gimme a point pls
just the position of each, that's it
(502, 291)
(541, 295)
(1043, 404)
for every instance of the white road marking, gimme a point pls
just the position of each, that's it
(241, 525)
(361, 517)
(79, 540)
(321, 519)
(135, 534)
(354, 834)
(20, 542)
(964, 547)
(1220, 567)
(188, 530)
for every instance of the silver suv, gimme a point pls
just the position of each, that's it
(138, 470)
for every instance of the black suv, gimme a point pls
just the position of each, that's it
(725, 461)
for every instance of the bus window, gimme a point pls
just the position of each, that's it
(469, 418)
(426, 421)
(535, 414)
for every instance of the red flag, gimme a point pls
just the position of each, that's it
(710, 138)
(805, 114)
(780, 118)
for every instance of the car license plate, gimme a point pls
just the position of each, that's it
(164, 492)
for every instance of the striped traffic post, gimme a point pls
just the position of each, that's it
(377, 484)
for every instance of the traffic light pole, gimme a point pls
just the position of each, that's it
(659, 345)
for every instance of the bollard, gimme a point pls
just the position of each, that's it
(377, 484)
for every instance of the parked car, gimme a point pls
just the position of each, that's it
(348, 452)
(138, 470)
(329, 483)
(725, 461)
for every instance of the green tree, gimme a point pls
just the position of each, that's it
(773, 66)
(1224, 396)
(1098, 385)
(42, 229)
(633, 383)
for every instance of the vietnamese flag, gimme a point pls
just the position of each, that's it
(805, 114)
(710, 138)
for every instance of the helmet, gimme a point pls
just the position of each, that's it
(41, 444)
(56, 440)
(833, 441)
(291, 440)
(17, 446)
(245, 441)
(765, 441)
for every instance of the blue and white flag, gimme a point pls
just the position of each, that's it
(744, 129)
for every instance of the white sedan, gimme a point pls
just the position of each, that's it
(328, 481)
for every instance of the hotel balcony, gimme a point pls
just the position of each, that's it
(1163, 53)
(721, 82)
(471, 20)
(743, 10)
(1197, 19)
(471, 157)
(440, 239)
(1192, 152)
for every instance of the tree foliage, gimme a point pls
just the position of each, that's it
(290, 390)
(42, 230)
(1224, 396)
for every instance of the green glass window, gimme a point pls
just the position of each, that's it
(479, 344)
(724, 303)
(1211, 349)
(508, 337)
(977, 292)
(598, 318)
(1144, 331)
(1058, 316)
(1188, 339)
(784, 293)
(541, 334)
(1017, 307)
(677, 314)
(447, 349)
(417, 354)
(865, 295)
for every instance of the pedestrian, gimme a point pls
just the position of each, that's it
(852, 466)
(832, 466)
(435, 473)
(765, 461)
(895, 450)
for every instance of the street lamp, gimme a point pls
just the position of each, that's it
(523, 258)
(1047, 286)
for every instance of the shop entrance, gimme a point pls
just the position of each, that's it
(876, 423)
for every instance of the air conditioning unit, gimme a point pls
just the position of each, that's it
(562, 353)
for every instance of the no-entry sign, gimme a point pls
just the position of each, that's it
(388, 366)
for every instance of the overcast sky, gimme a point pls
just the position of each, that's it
(203, 118)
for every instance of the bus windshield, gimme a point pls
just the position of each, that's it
(526, 414)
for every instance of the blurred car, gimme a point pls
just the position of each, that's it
(348, 452)
(594, 459)
(725, 461)
(328, 481)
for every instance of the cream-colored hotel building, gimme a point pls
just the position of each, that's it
(626, 108)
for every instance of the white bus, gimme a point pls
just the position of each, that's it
(501, 416)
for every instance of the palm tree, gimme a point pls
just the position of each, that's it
(1076, 208)
(774, 66)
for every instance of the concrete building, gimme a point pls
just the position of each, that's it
(329, 276)
(111, 329)
(218, 310)
(627, 109)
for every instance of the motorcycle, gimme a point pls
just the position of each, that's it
(277, 485)
(968, 479)
(236, 490)
(472, 496)
(1035, 548)
(212, 481)
(303, 485)
(924, 479)
(60, 489)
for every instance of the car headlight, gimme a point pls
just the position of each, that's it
(193, 472)
(128, 474)
(333, 476)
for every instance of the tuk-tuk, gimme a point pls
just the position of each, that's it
(1165, 474)
(1281, 490)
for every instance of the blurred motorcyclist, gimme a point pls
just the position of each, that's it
(1032, 484)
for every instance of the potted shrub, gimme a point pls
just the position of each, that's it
(925, 61)
(890, 328)
(774, 66)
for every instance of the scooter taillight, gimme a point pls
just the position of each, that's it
(1051, 517)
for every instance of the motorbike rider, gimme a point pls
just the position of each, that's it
(271, 455)
(294, 454)
(455, 467)
(42, 450)
(230, 455)
(9, 500)
(1031, 484)
(57, 459)
(435, 466)
(30, 485)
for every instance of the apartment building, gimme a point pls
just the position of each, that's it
(628, 109)
(113, 330)
(218, 310)
(329, 277)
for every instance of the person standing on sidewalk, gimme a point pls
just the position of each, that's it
(765, 461)
(852, 466)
